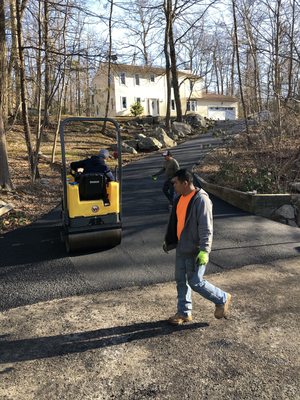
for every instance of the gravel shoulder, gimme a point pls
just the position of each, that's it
(117, 345)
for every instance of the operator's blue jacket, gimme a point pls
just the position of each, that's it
(94, 164)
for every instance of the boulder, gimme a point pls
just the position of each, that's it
(196, 121)
(181, 129)
(161, 135)
(128, 149)
(148, 143)
(295, 186)
(285, 214)
(132, 143)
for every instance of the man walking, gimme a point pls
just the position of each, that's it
(190, 231)
(170, 166)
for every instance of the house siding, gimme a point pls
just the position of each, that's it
(145, 91)
(153, 95)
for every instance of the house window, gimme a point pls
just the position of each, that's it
(191, 85)
(138, 100)
(137, 79)
(173, 105)
(123, 103)
(191, 105)
(152, 78)
(122, 78)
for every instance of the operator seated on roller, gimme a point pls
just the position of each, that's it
(94, 164)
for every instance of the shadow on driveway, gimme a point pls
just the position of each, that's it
(39, 241)
(53, 346)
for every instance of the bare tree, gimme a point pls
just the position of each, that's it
(20, 6)
(109, 56)
(5, 181)
(13, 66)
(239, 66)
(141, 25)
(168, 65)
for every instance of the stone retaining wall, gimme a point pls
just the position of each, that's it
(260, 204)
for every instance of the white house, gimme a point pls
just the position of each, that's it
(147, 85)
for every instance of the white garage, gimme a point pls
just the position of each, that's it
(218, 106)
(221, 113)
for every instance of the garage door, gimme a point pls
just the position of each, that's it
(221, 113)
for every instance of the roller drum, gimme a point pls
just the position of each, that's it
(94, 240)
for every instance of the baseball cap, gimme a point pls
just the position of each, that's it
(166, 153)
(104, 153)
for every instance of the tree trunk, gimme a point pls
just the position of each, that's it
(168, 71)
(47, 64)
(109, 63)
(78, 87)
(256, 95)
(23, 89)
(277, 77)
(290, 67)
(232, 66)
(39, 129)
(14, 67)
(239, 69)
(174, 68)
(87, 90)
(62, 92)
(5, 181)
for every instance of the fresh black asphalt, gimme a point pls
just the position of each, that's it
(34, 266)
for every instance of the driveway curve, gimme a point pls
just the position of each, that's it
(35, 267)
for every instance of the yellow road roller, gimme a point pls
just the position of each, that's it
(91, 204)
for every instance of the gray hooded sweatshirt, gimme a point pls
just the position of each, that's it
(197, 233)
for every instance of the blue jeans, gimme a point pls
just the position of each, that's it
(168, 190)
(189, 276)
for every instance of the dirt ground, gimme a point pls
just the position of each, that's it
(117, 345)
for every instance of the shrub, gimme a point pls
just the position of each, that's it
(136, 109)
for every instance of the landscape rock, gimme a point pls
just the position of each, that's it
(162, 136)
(132, 143)
(148, 143)
(128, 149)
(181, 129)
(196, 120)
(285, 214)
(295, 186)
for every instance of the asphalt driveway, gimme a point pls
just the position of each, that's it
(93, 326)
(35, 267)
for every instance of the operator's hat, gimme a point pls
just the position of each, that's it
(104, 153)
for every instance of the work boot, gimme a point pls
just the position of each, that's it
(179, 319)
(221, 310)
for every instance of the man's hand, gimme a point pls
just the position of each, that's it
(202, 257)
(165, 248)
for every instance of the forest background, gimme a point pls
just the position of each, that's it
(50, 51)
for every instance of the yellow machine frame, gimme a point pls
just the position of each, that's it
(90, 224)
(86, 208)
